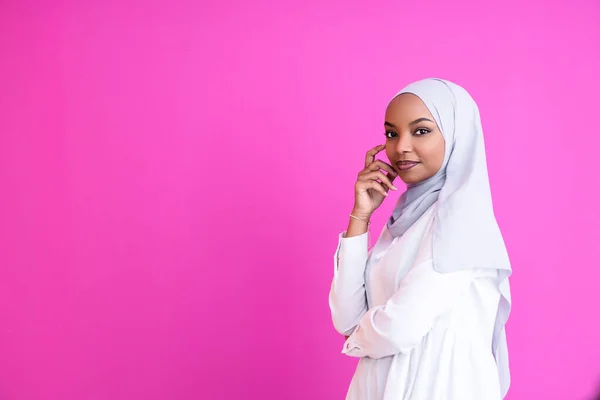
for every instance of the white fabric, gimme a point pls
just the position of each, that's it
(420, 334)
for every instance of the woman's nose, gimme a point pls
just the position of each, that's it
(404, 144)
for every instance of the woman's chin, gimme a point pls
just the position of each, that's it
(409, 177)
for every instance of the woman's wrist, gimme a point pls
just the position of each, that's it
(358, 224)
(361, 215)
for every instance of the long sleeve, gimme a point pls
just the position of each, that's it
(402, 322)
(347, 297)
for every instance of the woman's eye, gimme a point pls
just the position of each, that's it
(422, 131)
(388, 133)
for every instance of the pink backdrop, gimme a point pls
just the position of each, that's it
(174, 176)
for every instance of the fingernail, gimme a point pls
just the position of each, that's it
(394, 187)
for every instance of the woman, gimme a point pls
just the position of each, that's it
(425, 308)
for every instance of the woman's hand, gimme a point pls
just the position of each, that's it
(372, 184)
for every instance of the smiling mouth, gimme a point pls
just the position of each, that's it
(406, 165)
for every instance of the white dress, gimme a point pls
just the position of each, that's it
(420, 334)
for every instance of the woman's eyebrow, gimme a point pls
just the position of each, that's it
(416, 121)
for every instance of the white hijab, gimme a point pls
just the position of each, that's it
(465, 231)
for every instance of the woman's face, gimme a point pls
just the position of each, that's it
(414, 143)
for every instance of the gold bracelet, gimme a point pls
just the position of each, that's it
(360, 219)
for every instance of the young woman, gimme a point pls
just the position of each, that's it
(425, 308)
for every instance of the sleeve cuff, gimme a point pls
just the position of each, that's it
(350, 347)
(353, 248)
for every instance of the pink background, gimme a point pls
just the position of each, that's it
(174, 176)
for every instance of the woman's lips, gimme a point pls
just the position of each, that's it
(406, 165)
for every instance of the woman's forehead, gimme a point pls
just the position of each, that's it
(407, 106)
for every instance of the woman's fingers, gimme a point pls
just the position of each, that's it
(378, 164)
(376, 186)
(378, 175)
(371, 154)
